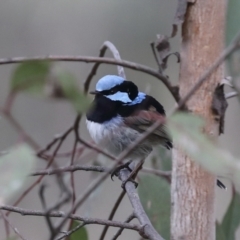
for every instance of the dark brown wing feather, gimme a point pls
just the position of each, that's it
(142, 120)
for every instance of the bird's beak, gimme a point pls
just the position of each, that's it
(94, 92)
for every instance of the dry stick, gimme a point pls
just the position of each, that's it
(78, 167)
(119, 232)
(60, 214)
(115, 207)
(148, 230)
(20, 130)
(75, 128)
(93, 72)
(116, 55)
(88, 59)
(231, 95)
(68, 233)
(11, 225)
(159, 173)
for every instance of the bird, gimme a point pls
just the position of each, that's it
(120, 114)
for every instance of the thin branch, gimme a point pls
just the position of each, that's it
(27, 138)
(60, 214)
(68, 233)
(234, 45)
(231, 95)
(116, 55)
(88, 59)
(58, 137)
(148, 230)
(11, 225)
(115, 207)
(92, 168)
(159, 173)
(68, 168)
(119, 232)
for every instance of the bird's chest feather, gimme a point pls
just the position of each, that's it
(104, 131)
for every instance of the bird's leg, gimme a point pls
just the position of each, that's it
(133, 175)
(122, 166)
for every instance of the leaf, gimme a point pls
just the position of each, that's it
(30, 76)
(219, 232)
(70, 90)
(162, 159)
(154, 193)
(80, 234)
(233, 19)
(232, 28)
(231, 219)
(187, 132)
(14, 168)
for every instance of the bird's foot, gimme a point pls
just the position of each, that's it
(221, 185)
(128, 180)
(115, 172)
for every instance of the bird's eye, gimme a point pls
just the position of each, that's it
(112, 91)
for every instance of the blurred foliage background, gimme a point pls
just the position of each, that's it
(30, 28)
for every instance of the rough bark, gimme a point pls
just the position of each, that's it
(193, 189)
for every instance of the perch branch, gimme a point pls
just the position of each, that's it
(88, 59)
(60, 214)
(148, 230)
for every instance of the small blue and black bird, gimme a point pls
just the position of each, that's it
(120, 114)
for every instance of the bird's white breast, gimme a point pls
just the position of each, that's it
(103, 131)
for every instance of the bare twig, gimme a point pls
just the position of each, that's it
(148, 230)
(115, 207)
(231, 95)
(88, 59)
(60, 214)
(119, 232)
(116, 55)
(27, 138)
(68, 233)
(160, 173)
(11, 225)
(44, 205)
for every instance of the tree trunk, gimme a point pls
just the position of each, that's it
(193, 189)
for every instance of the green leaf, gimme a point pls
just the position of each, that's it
(231, 219)
(80, 234)
(71, 91)
(233, 20)
(14, 168)
(187, 132)
(232, 28)
(154, 193)
(219, 232)
(30, 76)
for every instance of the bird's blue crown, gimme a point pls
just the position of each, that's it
(110, 81)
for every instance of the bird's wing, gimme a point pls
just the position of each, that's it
(142, 120)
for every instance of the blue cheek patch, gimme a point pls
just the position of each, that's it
(123, 97)
(141, 96)
(120, 96)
